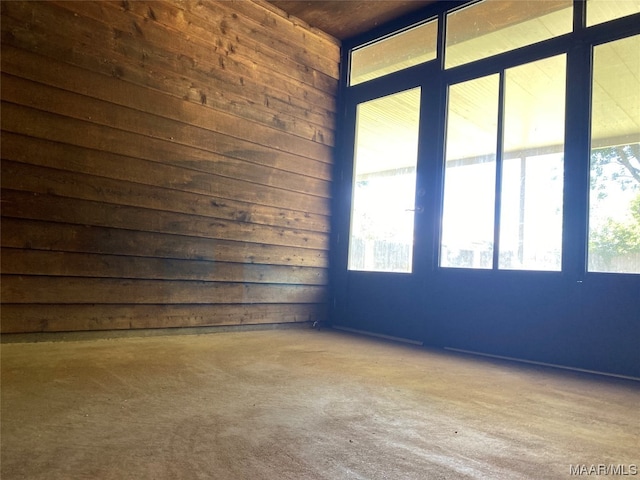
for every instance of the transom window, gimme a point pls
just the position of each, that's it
(401, 50)
(490, 27)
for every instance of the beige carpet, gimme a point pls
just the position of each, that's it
(302, 404)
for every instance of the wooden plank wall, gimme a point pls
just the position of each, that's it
(164, 164)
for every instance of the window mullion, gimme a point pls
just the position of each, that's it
(498, 186)
(576, 187)
(579, 15)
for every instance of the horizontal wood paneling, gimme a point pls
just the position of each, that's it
(69, 183)
(29, 122)
(19, 233)
(39, 289)
(164, 164)
(233, 55)
(30, 66)
(71, 264)
(211, 132)
(58, 318)
(113, 50)
(123, 127)
(35, 206)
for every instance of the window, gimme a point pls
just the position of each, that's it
(493, 149)
(614, 206)
(491, 27)
(532, 166)
(470, 174)
(599, 11)
(530, 169)
(402, 50)
(384, 183)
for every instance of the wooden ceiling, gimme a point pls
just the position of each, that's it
(343, 19)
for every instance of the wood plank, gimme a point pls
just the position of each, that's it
(292, 36)
(227, 159)
(222, 131)
(27, 234)
(161, 168)
(193, 88)
(154, 39)
(68, 264)
(119, 191)
(18, 318)
(344, 20)
(34, 206)
(61, 102)
(272, 27)
(72, 290)
(32, 66)
(25, 121)
(158, 21)
(129, 57)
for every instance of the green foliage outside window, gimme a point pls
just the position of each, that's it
(616, 168)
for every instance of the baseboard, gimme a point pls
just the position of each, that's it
(543, 364)
(377, 335)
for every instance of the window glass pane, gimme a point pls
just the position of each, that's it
(614, 206)
(402, 50)
(599, 11)
(532, 175)
(470, 174)
(496, 26)
(384, 183)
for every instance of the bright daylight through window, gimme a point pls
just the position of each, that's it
(470, 174)
(532, 166)
(599, 11)
(486, 28)
(384, 183)
(614, 213)
(402, 50)
(531, 169)
(502, 200)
